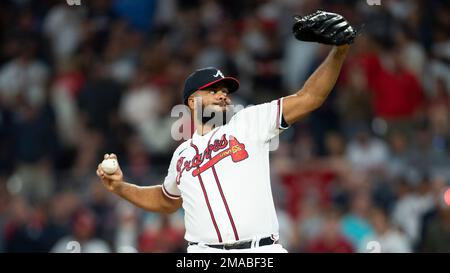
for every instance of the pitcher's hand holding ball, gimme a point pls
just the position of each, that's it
(110, 173)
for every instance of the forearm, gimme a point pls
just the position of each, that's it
(150, 198)
(322, 81)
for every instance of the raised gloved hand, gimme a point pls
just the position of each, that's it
(323, 27)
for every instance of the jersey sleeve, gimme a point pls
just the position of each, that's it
(261, 122)
(170, 186)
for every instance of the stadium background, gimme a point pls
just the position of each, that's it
(372, 164)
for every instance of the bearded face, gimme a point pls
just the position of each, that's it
(211, 105)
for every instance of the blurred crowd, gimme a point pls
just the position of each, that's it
(366, 172)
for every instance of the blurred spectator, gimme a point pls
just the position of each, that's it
(397, 92)
(62, 206)
(412, 202)
(366, 153)
(330, 240)
(390, 240)
(16, 233)
(424, 155)
(439, 122)
(141, 101)
(100, 99)
(399, 154)
(100, 203)
(64, 92)
(354, 103)
(63, 26)
(121, 52)
(438, 64)
(412, 54)
(100, 16)
(137, 163)
(127, 231)
(335, 158)
(309, 225)
(36, 146)
(82, 238)
(24, 78)
(162, 236)
(433, 221)
(355, 224)
(154, 131)
(437, 236)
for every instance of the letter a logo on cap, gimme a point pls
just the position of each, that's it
(219, 74)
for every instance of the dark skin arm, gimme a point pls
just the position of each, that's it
(150, 198)
(317, 88)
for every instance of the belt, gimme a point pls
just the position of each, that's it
(241, 244)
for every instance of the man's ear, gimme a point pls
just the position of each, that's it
(193, 99)
(191, 102)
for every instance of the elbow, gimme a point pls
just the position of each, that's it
(312, 100)
(316, 103)
(171, 206)
(169, 210)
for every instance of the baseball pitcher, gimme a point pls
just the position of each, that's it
(221, 175)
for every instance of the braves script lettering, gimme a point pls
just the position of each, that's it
(222, 147)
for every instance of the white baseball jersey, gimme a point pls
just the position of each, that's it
(224, 178)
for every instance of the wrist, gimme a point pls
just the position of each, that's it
(118, 187)
(339, 52)
(342, 48)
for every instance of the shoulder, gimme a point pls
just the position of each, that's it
(253, 109)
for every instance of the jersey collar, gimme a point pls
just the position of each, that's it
(196, 135)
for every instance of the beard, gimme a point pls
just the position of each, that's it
(214, 116)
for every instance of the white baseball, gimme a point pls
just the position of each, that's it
(110, 166)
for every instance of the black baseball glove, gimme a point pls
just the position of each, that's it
(323, 27)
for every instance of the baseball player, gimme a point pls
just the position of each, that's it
(221, 175)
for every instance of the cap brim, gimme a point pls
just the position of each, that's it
(231, 83)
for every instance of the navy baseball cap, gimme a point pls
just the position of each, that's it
(206, 77)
